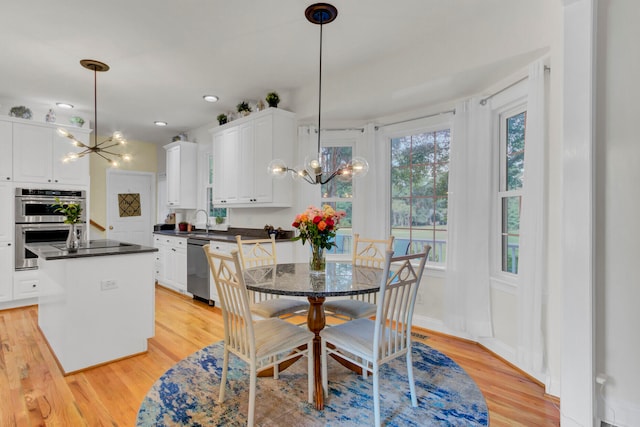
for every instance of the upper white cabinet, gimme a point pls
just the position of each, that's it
(181, 174)
(242, 151)
(6, 148)
(225, 165)
(38, 151)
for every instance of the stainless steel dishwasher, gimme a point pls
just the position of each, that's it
(198, 271)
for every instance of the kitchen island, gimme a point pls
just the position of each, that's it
(97, 304)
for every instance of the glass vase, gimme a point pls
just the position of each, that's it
(73, 242)
(317, 262)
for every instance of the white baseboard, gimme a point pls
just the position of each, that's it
(618, 413)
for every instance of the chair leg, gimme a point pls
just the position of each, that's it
(310, 370)
(376, 395)
(252, 395)
(412, 385)
(223, 380)
(323, 360)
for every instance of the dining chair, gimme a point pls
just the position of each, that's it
(371, 343)
(262, 343)
(259, 253)
(368, 253)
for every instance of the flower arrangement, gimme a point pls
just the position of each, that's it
(71, 211)
(319, 227)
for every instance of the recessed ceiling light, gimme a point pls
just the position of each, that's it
(64, 105)
(210, 98)
(160, 123)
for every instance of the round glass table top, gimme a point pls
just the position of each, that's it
(338, 279)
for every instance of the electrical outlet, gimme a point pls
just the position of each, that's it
(107, 285)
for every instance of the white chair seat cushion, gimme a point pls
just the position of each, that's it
(277, 307)
(276, 335)
(356, 335)
(353, 308)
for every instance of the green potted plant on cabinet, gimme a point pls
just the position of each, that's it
(222, 119)
(272, 99)
(243, 108)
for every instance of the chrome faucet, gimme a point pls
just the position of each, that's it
(206, 224)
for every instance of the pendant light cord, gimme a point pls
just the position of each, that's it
(320, 91)
(95, 107)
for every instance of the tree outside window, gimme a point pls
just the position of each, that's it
(419, 193)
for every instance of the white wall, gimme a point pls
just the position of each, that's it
(617, 206)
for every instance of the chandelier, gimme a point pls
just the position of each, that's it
(102, 148)
(313, 170)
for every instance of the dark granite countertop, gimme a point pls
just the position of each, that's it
(224, 236)
(91, 248)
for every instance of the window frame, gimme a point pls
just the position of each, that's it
(342, 138)
(413, 127)
(512, 103)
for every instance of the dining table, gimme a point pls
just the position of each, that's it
(339, 279)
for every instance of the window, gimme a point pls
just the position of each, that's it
(419, 188)
(338, 194)
(513, 125)
(219, 214)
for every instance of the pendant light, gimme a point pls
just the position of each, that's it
(101, 149)
(313, 171)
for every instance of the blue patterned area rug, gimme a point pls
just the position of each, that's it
(187, 395)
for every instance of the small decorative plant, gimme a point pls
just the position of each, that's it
(272, 99)
(219, 220)
(222, 119)
(243, 108)
(71, 211)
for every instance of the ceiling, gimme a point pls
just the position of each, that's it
(380, 57)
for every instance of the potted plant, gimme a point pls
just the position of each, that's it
(243, 108)
(219, 220)
(71, 212)
(222, 119)
(272, 99)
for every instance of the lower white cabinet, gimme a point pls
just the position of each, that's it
(171, 262)
(26, 284)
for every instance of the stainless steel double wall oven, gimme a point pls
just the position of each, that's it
(37, 220)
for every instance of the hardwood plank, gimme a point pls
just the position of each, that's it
(34, 392)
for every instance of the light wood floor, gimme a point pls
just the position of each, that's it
(33, 392)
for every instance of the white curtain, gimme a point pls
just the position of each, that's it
(467, 290)
(531, 265)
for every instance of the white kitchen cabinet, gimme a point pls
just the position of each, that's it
(38, 152)
(225, 165)
(7, 248)
(26, 284)
(171, 262)
(6, 270)
(242, 151)
(7, 202)
(181, 174)
(6, 148)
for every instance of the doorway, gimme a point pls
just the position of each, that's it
(130, 206)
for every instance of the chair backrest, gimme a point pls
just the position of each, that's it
(370, 252)
(397, 297)
(234, 302)
(257, 252)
